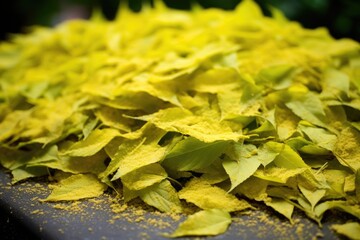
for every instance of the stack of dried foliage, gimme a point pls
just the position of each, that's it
(209, 107)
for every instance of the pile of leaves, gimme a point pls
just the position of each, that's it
(208, 107)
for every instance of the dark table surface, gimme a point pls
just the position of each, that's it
(23, 216)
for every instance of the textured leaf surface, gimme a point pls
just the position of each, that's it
(92, 144)
(208, 105)
(350, 230)
(144, 177)
(204, 223)
(206, 196)
(77, 187)
(162, 196)
(192, 154)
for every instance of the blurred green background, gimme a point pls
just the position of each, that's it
(341, 17)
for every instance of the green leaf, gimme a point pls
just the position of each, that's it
(213, 174)
(267, 153)
(287, 157)
(239, 171)
(282, 192)
(336, 84)
(161, 196)
(192, 154)
(308, 107)
(321, 208)
(303, 145)
(22, 173)
(312, 196)
(14, 158)
(243, 166)
(49, 157)
(204, 223)
(253, 188)
(320, 137)
(276, 76)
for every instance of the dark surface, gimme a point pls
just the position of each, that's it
(23, 217)
(11, 228)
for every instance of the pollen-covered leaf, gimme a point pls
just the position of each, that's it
(207, 104)
(184, 122)
(286, 122)
(140, 157)
(118, 150)
(213, 81)
(77, 187)
(357, 185)
(205, 196)
(276, 174)
(96, 141)
(347, 148)
(144, 177)
(253, 188)
(350, 230)
(204, 223)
